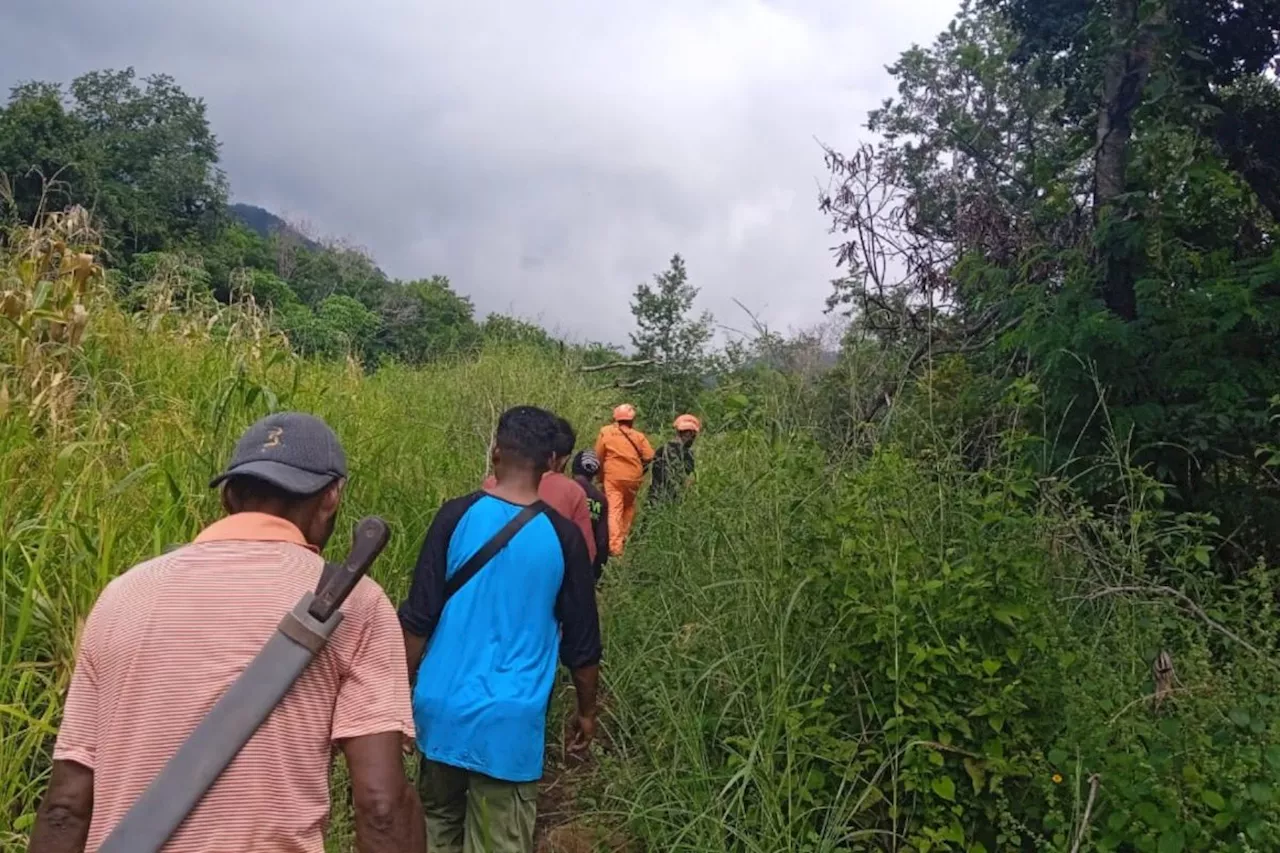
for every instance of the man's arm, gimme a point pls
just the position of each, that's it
(372, 723)
(62, 823)
(420, 612)
(388, 813)
(580, 646)
(585, 679)
(414, 647)
(646, 450)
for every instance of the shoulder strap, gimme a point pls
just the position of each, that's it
(636, 448)
(490, 549)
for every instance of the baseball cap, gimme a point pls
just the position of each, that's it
(292, 450)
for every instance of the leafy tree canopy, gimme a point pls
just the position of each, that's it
(139, 154)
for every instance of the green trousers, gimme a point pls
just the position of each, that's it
(469, 812)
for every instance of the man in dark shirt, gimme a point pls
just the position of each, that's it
(673, 464)
(586, 467)
(485, 658)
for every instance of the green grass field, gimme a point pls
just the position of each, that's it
(157, 409)
(888, 651)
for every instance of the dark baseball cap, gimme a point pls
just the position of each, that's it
(295, 451)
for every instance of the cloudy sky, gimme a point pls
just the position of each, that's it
(546, 155)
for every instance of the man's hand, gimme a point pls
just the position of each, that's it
(584, 731)
(584, 727)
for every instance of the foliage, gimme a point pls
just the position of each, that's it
(1112, 234)
(47, 292)
(336, 270)
(669, 339)
(425, 320)
(142, 157)
(504, 329)
(160, 397)
(906, 651)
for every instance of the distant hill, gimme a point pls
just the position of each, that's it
(265, 223)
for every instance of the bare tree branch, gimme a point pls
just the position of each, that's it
(616, 365)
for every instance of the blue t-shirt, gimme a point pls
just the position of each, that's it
(480, 702)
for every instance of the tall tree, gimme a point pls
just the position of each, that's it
(140, 155)
(670, 336)
(1087, 187)
(38, 139)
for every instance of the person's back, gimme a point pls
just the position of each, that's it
(668, 470)
(624, 453)
(586, 466)
(487, 674)
(567, 497)
(167, 639)
(481, 640)
(673, 464)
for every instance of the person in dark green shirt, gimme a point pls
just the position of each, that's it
(673, 464)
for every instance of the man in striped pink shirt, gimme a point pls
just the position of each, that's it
(167, 638)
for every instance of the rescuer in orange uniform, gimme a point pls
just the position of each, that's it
(625, 455)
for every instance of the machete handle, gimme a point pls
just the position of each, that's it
(337, 582)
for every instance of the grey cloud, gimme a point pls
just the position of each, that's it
(546, 156)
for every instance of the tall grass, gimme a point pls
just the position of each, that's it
(896, 650)
(160, 398)
(899, 651)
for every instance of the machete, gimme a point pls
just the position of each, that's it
(233, 719)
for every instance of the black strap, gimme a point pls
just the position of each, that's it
(640, 456)
(489, 550)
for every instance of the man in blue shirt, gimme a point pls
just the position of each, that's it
(483, 654)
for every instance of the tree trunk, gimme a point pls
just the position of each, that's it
(1133, 44)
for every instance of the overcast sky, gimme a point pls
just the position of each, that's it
(547, 156)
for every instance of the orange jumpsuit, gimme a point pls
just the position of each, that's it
(624, 453)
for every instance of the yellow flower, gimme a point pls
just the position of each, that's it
(1057, 778)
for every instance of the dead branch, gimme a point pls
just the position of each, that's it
(1189, 604)
(1083, 828)
(616, 365)
(1177, 691)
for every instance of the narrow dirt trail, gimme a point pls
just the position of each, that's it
(565, 822)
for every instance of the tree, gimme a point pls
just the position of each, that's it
(1086, 190)
(234, 248)
(37, 141)
(501, 328)
(424, 320)
(141, 157)
(1155, 54)
(669, 339)
(333, 269)
(340, 326)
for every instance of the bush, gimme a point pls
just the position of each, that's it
(816, 656)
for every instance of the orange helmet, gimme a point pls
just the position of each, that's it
(688, 423)
(625, 412)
